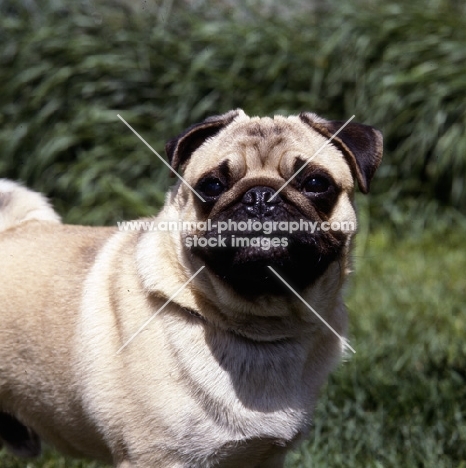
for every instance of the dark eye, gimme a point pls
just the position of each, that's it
(211, 187)
(316, 184)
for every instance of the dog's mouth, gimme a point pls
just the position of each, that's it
(299, 260)
(246, 241)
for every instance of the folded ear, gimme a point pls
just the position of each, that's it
(180, 148)
(361, 145)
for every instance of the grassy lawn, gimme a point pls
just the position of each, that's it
(401, 399)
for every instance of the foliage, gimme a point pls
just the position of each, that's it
(66, 71)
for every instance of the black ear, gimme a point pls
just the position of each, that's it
(362, 145)
(180, 148)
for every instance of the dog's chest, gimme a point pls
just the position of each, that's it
(209, 445)
(240, 399)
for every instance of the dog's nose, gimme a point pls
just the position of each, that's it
(257, 200)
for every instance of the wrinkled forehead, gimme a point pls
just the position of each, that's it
(270, 146)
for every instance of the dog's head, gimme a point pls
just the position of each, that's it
(262, 181)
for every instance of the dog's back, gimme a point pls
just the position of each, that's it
(17, 205)
(40, 258)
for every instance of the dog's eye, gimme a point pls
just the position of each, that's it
(316, 184)
(211, 187)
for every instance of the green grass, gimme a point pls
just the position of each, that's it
(401, 399)
(50, 459)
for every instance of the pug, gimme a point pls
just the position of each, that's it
(202, 346)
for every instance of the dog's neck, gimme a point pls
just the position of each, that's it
(267, 318)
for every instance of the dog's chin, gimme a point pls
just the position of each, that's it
(248, 269)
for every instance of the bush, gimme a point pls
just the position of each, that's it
(66, 71)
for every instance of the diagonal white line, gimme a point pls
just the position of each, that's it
(343, 340)
(311, 158)
(144, 325)
(160, 157)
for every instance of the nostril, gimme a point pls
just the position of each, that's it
(268, 195)
(249, 198)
